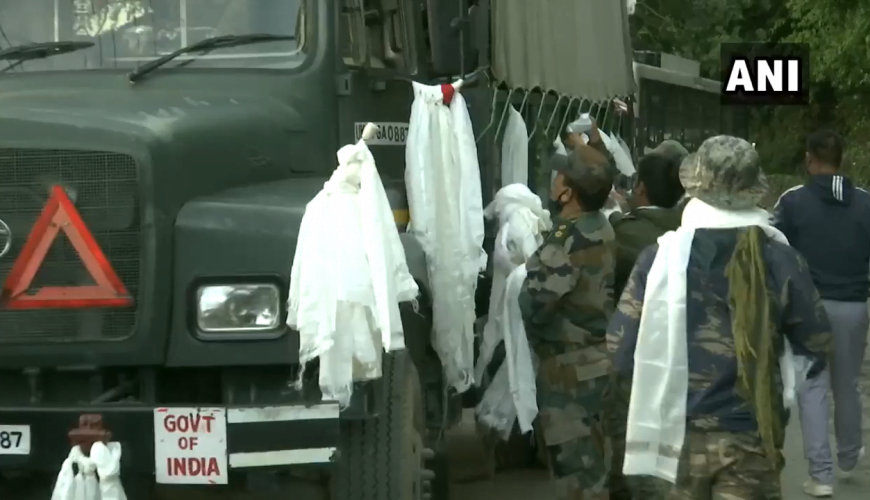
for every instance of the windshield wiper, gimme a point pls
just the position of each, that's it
(30, 51)
(207, 45)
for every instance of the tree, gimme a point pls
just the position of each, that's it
(838, 33)
(695, 28)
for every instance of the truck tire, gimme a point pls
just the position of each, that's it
(383, 458)
(440, 466)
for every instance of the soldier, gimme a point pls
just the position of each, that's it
(652, 214)
(618, 178)
(656, 192)
(670, 150)
(566, 300)
(717, 300)
(674, 151)
(573, 140)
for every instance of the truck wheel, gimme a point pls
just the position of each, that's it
(383, 458)
(439, 487)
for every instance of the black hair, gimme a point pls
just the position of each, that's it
(826, 146)
(589, 178)
(592, 198)
(661, 177)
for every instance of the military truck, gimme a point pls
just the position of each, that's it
(156, 157)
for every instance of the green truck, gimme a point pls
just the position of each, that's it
(156, 157)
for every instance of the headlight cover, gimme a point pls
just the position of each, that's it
(238, 308)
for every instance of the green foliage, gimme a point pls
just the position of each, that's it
(838, 33)
(695, 28)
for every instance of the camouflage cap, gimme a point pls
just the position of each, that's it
(669, 149)
(587, 167)
(725, 173)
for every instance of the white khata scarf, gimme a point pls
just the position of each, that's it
(654, 439)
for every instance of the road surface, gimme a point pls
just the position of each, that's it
(527, 483)
(472, 483)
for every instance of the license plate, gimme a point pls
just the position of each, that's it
(14, 440)
(389, 134)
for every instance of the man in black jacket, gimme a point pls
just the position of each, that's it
(828, 221)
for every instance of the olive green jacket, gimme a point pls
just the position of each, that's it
(635, 231)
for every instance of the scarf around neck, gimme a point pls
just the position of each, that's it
(654, 440)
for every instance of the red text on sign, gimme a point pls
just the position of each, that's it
(190, 466)
(188, 423)
(187, 443)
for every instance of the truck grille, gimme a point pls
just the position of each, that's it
(104, 188)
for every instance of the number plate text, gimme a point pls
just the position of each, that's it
(14, 440)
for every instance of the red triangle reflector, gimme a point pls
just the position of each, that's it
(59, 215)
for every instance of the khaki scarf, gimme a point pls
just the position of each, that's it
(754, 337)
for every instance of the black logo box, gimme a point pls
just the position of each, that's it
(753, 52)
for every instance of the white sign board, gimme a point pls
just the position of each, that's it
(389, 133)
(14, 440)
(190, 446)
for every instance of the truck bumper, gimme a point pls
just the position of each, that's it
(248, 437)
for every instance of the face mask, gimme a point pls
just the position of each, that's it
(555, 205)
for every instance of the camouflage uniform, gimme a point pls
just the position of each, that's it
(636, 230)
(566, 301)
(722, 456)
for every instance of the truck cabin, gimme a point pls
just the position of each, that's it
(187, 136)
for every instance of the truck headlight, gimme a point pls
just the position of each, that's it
(238, 308)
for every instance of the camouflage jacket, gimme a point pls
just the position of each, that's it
(713, 404)
(567, 297)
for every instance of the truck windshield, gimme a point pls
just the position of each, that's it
(127, 33)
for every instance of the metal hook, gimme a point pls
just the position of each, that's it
(567, 112)
(583, 102)
(507, 104)
(601, 107)
(622, 113)
(491, 116)
(525, 99)
(538, 117)
(606, 113)
(580, 106)
(553, 115)
(593, 110)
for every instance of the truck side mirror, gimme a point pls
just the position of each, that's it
(450, 21)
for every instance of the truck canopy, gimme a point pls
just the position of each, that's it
(577, 48)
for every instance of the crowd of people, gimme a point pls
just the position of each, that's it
(674, 338)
